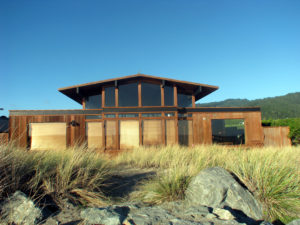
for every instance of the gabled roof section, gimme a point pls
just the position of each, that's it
(77, 92)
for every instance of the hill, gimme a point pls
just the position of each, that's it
(280, 107)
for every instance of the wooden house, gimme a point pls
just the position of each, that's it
(135, 110)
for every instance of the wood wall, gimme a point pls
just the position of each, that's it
(201, 132)
(19, 127)
(253, 130)
(277, 136)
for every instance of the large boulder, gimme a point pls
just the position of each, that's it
(18, 209)
(217, 188)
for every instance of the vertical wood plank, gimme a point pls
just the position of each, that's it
(193, 101)
(140, 93)
(175, 95)
(117, 96)
(103, 96)
(162, 94)
(83, 103)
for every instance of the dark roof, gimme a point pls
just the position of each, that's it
(77, 92)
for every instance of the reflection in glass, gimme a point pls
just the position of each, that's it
(184, 100)
(169, 95)
(91, 117)
(185, 132)
(228, 131)
(110, 96)
(151, 94)
(93, 102)
(128, 115)
(128, 94)
(151, 115)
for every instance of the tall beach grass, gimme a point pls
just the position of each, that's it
(80, 175)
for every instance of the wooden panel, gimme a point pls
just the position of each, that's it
(253, 129)
(94, 135)
(110, 135)
(277, 136)
(129, 134)
(3, 138)
(170, 132)
(45, 136)
(152, 132)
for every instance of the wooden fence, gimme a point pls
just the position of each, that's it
(277, 136)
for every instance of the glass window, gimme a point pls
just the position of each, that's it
(110, 96)
(185, 132)
(91, 117)
(151, 115)
(169, 95)
(151, 94)
(228, 131)
(128, 94)
(110, 115)
(93, 102)
(128, 115)
(184, 115)
(184, 100)
(169, 114)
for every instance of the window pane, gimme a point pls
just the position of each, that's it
(151, 115)
(152, 132)
(46, 136)
(128, 115)
(169, 114)
(185, 132)
(151, 94)
(169, 95)
(128, 94)
(184, 100)
(93, 102)
(129, 134)
(92, 117)
(228, 131)
(94, 134)
(110, 96)
(110, 115)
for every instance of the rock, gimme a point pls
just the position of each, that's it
(265, 223)
(18, 209)
(294, 222)
(223, 214)
(215, 187)
(107, 216)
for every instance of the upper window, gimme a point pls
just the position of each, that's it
(110, 96)
(151, 94)
(128, 94)
(169, 95)
(184, 100)
(93, 102)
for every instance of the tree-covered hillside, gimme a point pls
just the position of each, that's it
(281, 107)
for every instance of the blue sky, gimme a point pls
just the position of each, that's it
(250, 49)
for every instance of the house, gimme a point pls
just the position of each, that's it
(130, 111)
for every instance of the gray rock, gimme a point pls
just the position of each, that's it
(294, 222)
(223, 214)
(265, 223)
(107, 216)
(19, 209)
(215, 187)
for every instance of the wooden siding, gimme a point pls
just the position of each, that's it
(3, 138)
(253, 130)
(277, 136)
(19, 128)
(200, 128)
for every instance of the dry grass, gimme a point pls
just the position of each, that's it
(271, 174)
(76, 174)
